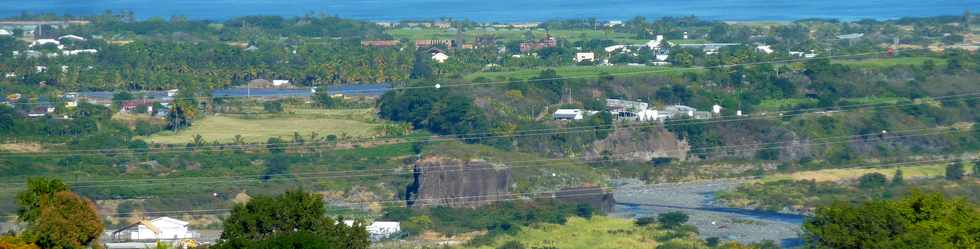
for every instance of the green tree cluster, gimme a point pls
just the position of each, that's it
(295, 219)
(916, 221)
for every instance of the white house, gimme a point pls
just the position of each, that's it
(280, 82)
(588, 56)
(380, 229)
(4, 32)
(440, 57)
(716, 109)
(72, 37)
(612, 48)
(159, 229)
(767, 49)
(80, 51)
(568, 114)
(39, 42)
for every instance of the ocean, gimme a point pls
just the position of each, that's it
(506, 10)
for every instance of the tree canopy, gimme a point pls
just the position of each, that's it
(917, 221)
(294, 219)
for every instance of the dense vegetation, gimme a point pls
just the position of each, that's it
(917, 221)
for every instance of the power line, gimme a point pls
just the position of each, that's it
(516, 196)
(352, 174)
(478, 136)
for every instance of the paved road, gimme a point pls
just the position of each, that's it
(696, 199)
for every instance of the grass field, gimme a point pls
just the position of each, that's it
(598, 232)
(260, 128)
(778, 104)
(585, 72)
(923, 171)
(890, 62)
(512, 34)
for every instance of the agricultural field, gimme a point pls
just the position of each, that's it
(258, 128)
(878, 63)
(833, 175)
(512, 34)
(597, 232)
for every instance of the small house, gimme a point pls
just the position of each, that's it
(72, 37)
(279, 83)
(588, 56)
(440, 57)
(568, 114)
(163, 228)
(380, 230)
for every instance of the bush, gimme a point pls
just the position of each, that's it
(513, 244)
(672, 219)
(954, 171)
(644, 221)
(272, 106)
(872, 180)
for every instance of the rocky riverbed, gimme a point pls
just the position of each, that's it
(697, 200)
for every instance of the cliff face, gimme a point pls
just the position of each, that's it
(455, 183)
(639, 145)
(598, 198)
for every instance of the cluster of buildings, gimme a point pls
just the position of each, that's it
(59, 44)
(626, 110)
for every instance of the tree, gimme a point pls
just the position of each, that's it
(976, 168)
(294, 219)
(29, 201)
(324, 99)
(12, 242)
(181, 115)
(954, 171)
(513, 244)
(7, 117)
(643, 221)
(872, 181)
(899, 178)
(916, 221)
(272, 106)
(672, 219)
(65, 220)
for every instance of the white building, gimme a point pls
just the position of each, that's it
(4, 32)
(40, 42)
(568, 114)
(72, 37)
(379, 230)
(440, 57)
(80, 51)
(767, 49)
(588, 56)
(280, 82)
(612, 48)
(162, 228)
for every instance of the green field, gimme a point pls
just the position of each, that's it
(585, 72)
(924, 171)
(223, 128)
(512, 34)
(878, 63)
(598, 232)
(780, 104)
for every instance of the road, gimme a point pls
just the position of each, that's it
(696, 199)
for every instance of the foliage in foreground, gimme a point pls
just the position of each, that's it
(917, 221)
(294, 219)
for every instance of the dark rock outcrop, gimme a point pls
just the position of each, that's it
(597, 197)
(455, 183)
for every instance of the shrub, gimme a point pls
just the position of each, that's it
(672, 219)
(872, 180)
(644, 221)
(954, 171)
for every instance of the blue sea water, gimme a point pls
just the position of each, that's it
(505, 10)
